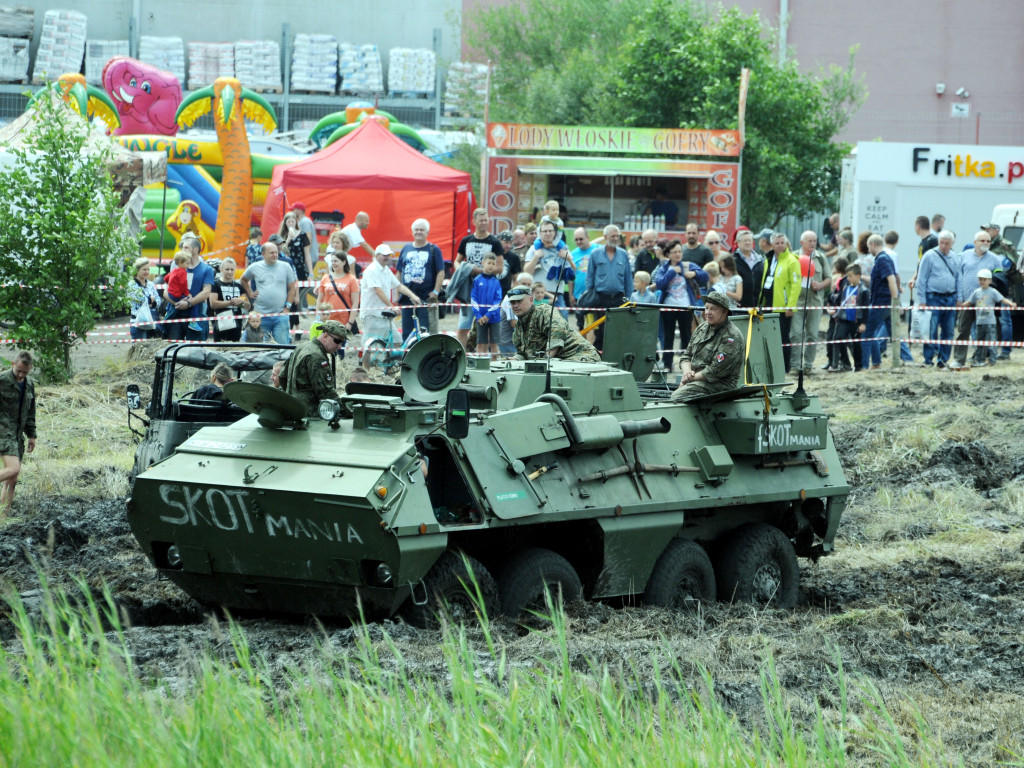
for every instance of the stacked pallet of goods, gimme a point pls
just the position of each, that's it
(16, 25)
(61, 45)
(315, 63)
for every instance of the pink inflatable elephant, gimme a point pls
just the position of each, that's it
(146, 97)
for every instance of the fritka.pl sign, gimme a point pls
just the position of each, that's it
(968, 164)
(642, 141)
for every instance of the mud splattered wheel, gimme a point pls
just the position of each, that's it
(757, 564)
(682, 578)
(450, 592)
(530, 574)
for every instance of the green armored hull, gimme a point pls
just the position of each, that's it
(574, 477)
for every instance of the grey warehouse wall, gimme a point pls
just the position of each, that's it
(387, 23)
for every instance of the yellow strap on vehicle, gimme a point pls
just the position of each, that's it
(601, 319)
(751, 314)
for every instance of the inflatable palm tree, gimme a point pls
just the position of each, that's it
(232, 105)
(88, 100)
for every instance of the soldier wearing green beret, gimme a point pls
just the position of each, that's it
(307, 373)
(541, 332)
(712, 360)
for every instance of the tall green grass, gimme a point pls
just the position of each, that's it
(70, 694)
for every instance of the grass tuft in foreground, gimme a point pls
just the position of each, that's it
(70, 694)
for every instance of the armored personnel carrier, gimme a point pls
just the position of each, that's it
(526, 475)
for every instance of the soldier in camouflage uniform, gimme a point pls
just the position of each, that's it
(540, 332)
(307, 373)
(17, 421)
(713, 358)
(1007, 280)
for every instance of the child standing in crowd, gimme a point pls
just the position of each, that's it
(714, 276)
(251, 333)
(642, 293)
(984, 298)
(831, 302)
(851, 301)
(254, 250)
(323, 314)
(732, 283)
(177, 290)
(540, 294)
(486, 301)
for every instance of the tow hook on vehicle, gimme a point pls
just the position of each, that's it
(412, 592)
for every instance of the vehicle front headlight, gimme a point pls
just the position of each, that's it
(174, 556)
(329, 410)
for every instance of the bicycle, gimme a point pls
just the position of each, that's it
(386, 352)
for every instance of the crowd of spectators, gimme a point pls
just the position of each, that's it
(850, 281)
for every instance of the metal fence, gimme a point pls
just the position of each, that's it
(294, 111)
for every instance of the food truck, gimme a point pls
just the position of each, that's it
(606, 175)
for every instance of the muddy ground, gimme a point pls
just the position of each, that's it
(923, 597)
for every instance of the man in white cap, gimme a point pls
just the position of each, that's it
(375, 293)
(972, 261)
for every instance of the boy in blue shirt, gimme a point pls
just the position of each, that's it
(642, 293)
(485, 298)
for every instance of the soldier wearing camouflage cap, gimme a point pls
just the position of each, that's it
(712, 360)
(541, 332)
(308, 373)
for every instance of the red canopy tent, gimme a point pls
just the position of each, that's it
(373, 170)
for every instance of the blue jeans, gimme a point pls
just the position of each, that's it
(560, 302)
(137, 334)
(905, 355)
(871, 348)
(276, 328)
(941, 328)
(985, 333)
(505, 345)
(1005, 321)
(200, 335)
(423, 313)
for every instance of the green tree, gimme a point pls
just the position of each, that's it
(61, 235)
(552, 59)
(672, 63)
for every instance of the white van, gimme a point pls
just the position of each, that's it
(1010, 219)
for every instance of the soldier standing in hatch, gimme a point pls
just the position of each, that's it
(712, 360)
(307, 373)
(17, 421)
(542, 332)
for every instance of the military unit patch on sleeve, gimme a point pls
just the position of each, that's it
(720, 357)
(728, 341)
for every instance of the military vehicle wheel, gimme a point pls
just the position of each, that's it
(682, 577)
(446, 585)
(529, 574)
(757, 564)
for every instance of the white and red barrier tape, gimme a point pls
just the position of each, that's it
(457, 305)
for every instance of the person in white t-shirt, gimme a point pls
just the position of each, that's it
(354, 232)
(375, 293)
